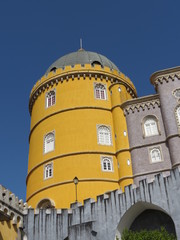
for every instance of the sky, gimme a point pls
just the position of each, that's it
(140, 37)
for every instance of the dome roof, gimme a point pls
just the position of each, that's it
(82, 57)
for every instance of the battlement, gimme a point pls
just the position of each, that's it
(100, 219)
(79, 71)
(11, 208)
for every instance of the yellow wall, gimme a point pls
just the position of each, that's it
(8, 230)
(74, 119)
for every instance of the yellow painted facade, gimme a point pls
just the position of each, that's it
(8, 230)
(74, 119)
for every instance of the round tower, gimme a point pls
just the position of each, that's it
(78, 130)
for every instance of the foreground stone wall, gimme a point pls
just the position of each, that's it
(109, 215)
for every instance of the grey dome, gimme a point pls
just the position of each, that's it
(82, 57)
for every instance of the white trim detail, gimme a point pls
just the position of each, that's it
(100, 91)
(155, 154)
(50, 98)
(104, 135)
(48, 171)
(106, 164)
(150, 126)
(49, 142)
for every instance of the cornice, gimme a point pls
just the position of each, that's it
(85, 72)
(140, 104)
(165, 75)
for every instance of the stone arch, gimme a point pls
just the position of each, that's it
(136, 212)
(45, 203)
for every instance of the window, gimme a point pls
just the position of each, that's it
(177, 113)
(150, 126)
(104, 135)
(100, 91)
(155, 154)
(49, 142)
(106, 163)
(176, 93)
(48, 171)
(50, 98)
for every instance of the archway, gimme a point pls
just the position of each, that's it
(45, 203)
(145, 216)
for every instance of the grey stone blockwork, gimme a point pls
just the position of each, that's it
(109, 215)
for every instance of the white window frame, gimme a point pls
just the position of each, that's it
(150, 126)
(155, 154)
(107, 164)
(100, 91)
(50, 98)
(51, 142)
(177, 115)
(48, 171)
(104, 138)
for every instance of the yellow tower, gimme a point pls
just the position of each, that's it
(78, 130)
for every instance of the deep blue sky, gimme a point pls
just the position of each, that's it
(140, 37)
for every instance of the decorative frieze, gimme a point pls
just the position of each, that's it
(165, 76)
(140, 104)
(67, 76)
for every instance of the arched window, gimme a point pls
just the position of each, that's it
(106, 163)
(100, 91)
(50, 98)
(177, 113)
(45, 203)
(150, 126)
(48, 170)
(155, 155)
(104, 135)
(49, 142)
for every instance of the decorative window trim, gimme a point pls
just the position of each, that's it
(148, 117)
(160, 153)
(175, 93)
(107, 164)
(52, 102)
(48, 171)
(177, 117)
(101, 94)
(98, 138)
(44, 143)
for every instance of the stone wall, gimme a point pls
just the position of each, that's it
(109, 215)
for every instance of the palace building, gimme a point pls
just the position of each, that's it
(101, 159)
